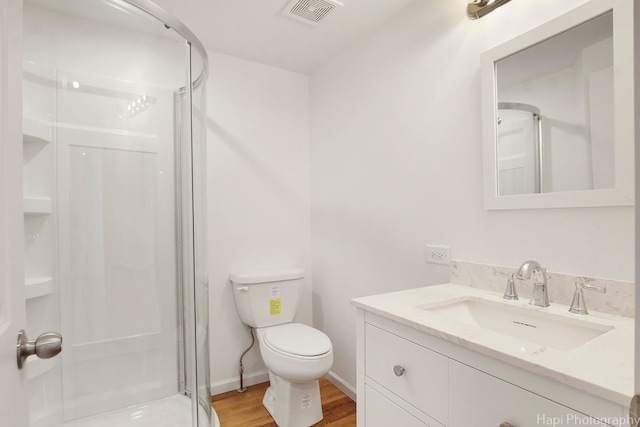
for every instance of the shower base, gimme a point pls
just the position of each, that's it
(174, 411)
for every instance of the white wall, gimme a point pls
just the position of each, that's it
(396, 164)
(258, 195)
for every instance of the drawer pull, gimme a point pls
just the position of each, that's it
(398, 370)
(506, 425)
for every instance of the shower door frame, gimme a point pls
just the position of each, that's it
(191, 223)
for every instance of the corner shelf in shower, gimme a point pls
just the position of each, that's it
(37, 206)
(35, 131)
(35, 287)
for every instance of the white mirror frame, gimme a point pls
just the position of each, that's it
(623, 192)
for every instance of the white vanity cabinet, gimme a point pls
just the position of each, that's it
(409, 378)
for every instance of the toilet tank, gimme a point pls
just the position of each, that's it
(267, 298)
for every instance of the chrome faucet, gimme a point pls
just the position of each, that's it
(577, 305)
(540, 294)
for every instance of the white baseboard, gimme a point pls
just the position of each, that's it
(230, 384)
(342, 385)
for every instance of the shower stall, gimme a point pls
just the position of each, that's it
(115, 228)
(519, 157)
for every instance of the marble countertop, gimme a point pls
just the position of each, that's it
(604, 366)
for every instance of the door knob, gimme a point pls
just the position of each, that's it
(45, 346)
(398, 370)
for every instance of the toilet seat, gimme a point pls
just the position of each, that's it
(296, 339)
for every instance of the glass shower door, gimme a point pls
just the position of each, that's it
(124, 180)
(117, 249)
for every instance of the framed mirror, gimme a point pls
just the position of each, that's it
(558, 117)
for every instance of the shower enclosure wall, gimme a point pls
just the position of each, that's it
(114, 192)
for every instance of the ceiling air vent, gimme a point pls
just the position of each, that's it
(310, 11)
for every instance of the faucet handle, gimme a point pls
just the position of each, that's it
(510, 292)
(578, 305)
(581, 285)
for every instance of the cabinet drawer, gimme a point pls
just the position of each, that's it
(381, 412)
(424, 382)
(480, 400)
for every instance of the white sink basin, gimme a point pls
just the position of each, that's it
(523, 322)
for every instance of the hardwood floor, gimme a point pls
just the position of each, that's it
(245, 409)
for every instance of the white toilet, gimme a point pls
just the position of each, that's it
(296, 355)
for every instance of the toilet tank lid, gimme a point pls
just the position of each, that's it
(265, 276)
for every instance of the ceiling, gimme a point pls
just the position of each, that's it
(257, 30)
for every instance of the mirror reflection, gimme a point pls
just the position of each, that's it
(555, 113)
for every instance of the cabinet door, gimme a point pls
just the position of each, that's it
(381, 412)
(480, 400)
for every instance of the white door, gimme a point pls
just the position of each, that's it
(636, 43)
(13, 391)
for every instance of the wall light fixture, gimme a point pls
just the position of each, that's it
(478, 8)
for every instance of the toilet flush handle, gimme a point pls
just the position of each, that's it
(243, 289)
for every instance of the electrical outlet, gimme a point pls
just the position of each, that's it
(435, 254)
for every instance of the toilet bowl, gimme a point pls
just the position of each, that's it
(296, 355)
(295, 351)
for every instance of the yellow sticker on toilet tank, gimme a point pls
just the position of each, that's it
(274, 307)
